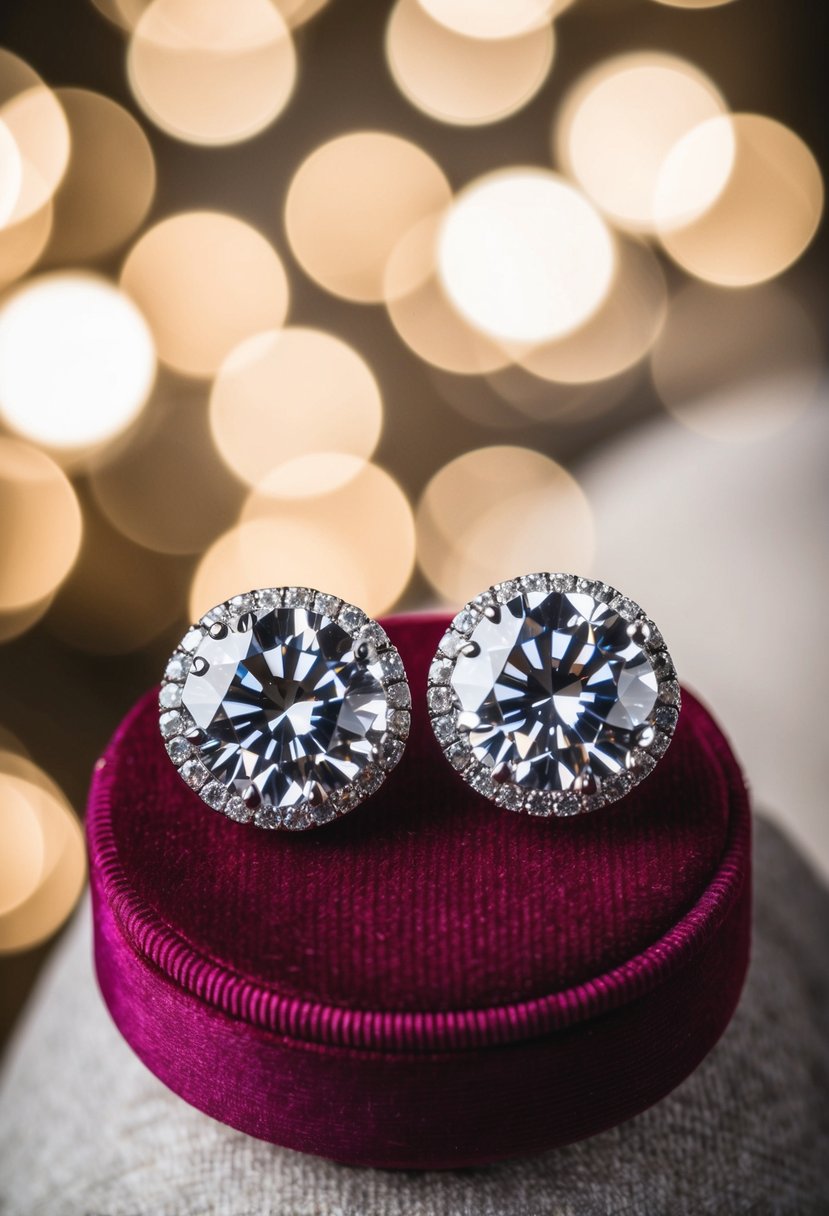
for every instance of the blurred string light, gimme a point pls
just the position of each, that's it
(126, 13)
(288, 393)
(496, 512)
(123, 13)
(312, 474)
(492, 18)
(737, 366)
(95, 211)
(11, 173)
(297, 12)
(32, 117)
(356, 541)
(618, 334)
(461, 79)
(524, 256)
(43, 859)
(614, 337)
(41, 527)
(205, 281)
(210, 72)
(694, 3)
(76, 362)
(620, 122)
(23, 851)
(168, 489)
(518, 279)
(422, 314)
(22, 243)
(350, 202)
(36, 122)
(767, 211)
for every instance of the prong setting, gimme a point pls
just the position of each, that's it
(251, 797)
(639, 632)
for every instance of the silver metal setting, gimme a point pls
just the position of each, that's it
(183, 739)
(589, 791)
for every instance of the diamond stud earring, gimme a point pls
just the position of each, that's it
(552, 694)
(284, 707)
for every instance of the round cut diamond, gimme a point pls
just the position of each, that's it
(556, 694)
(561, 688)
(294, 706)
(287, 709)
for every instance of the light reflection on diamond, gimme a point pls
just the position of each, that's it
(286, 706)
(557, 689)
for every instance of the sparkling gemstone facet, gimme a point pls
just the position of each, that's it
(557, 693)
(290, 714)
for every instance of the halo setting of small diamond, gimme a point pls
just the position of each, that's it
(552, 694)
(284, 707)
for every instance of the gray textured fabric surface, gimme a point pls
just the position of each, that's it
(85, 1130)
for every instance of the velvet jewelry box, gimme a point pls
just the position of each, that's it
(431, 981)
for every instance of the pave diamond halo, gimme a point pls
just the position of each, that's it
(284, 707)
(552, 694)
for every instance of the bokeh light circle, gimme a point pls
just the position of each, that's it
(491, 18)
(127, 13)
(313, 474)
(524, 256)
(621, 120)
(500, 511)
(287, 393)
(356, 541)
(620, 332)
(11, 173)
(22, 855)
(110, 181)
(205, 281)
(41, 525)
(209, 72)
(737, 367)
(462, 80)
(32, 116)
(76, 361)
(22, 243)
(422, 314)
(765, 215)
(38, 125)
(122, 13)
(297, 12)
(351, 201)
(43, 869)
(694, 3)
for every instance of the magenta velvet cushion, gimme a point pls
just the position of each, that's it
(431, 981)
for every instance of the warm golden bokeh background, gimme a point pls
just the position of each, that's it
(377, 298)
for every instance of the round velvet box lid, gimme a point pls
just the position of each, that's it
(432, 980)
